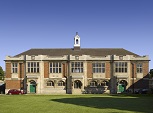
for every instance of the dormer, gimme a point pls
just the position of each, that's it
(77, 42)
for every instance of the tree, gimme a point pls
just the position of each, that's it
(1, 73)
(151, 72)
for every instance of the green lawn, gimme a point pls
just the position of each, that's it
(76, 104)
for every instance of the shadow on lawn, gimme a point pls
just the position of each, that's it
(140, 104)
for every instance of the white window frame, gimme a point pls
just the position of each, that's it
(121, 67)
(55, 67)
(33, 67)
(14, 67)
(93, 84)
(50, 83)
(77, 67)
(61, 83)
(139, 67)
(98, 67)
(104, 83)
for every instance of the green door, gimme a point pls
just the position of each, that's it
(121, 88)
(32, 88)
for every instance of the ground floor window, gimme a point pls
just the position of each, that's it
(104, 83)
(50, 83)
(93, 83)
(61, 83)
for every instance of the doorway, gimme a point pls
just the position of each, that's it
(77, 84)
(32, 87)
(122, 86)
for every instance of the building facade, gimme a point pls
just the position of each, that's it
(77, 70)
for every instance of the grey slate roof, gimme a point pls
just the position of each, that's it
(82, 51)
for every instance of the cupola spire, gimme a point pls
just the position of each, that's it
(76, 42)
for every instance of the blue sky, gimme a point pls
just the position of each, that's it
(26, 24)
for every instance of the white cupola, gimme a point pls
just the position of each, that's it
(77, 42)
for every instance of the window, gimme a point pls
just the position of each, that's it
(93, 83)
(98, 67)
(55, 67)
(77, 67)
(104, 83)
(139, 68)
(61, 83)
(14, 67)
(33, 67)
(50, 83)
(121, 67)
(77, 41)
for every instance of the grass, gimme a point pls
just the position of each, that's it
(76, 104)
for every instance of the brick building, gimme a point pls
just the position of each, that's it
(77, 70)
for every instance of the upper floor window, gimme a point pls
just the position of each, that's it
(15, 67)
(77, 67)
(139, 67)
(33, 67)
(55, 67)
(121, 67)
(98, 67)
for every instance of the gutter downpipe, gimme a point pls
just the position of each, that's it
(25, 77)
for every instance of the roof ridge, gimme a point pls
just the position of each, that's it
(102, 48)
(80, 48)
(87, 51)
(51, 48)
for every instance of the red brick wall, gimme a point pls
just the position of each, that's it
(64, 68)
(131, 70)
(46, 69)
(22, 75)
(145, 68)
(89, 69)
(13, 84)
(140, 83)
(107, 69)
(21, 70)
(8, 70)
